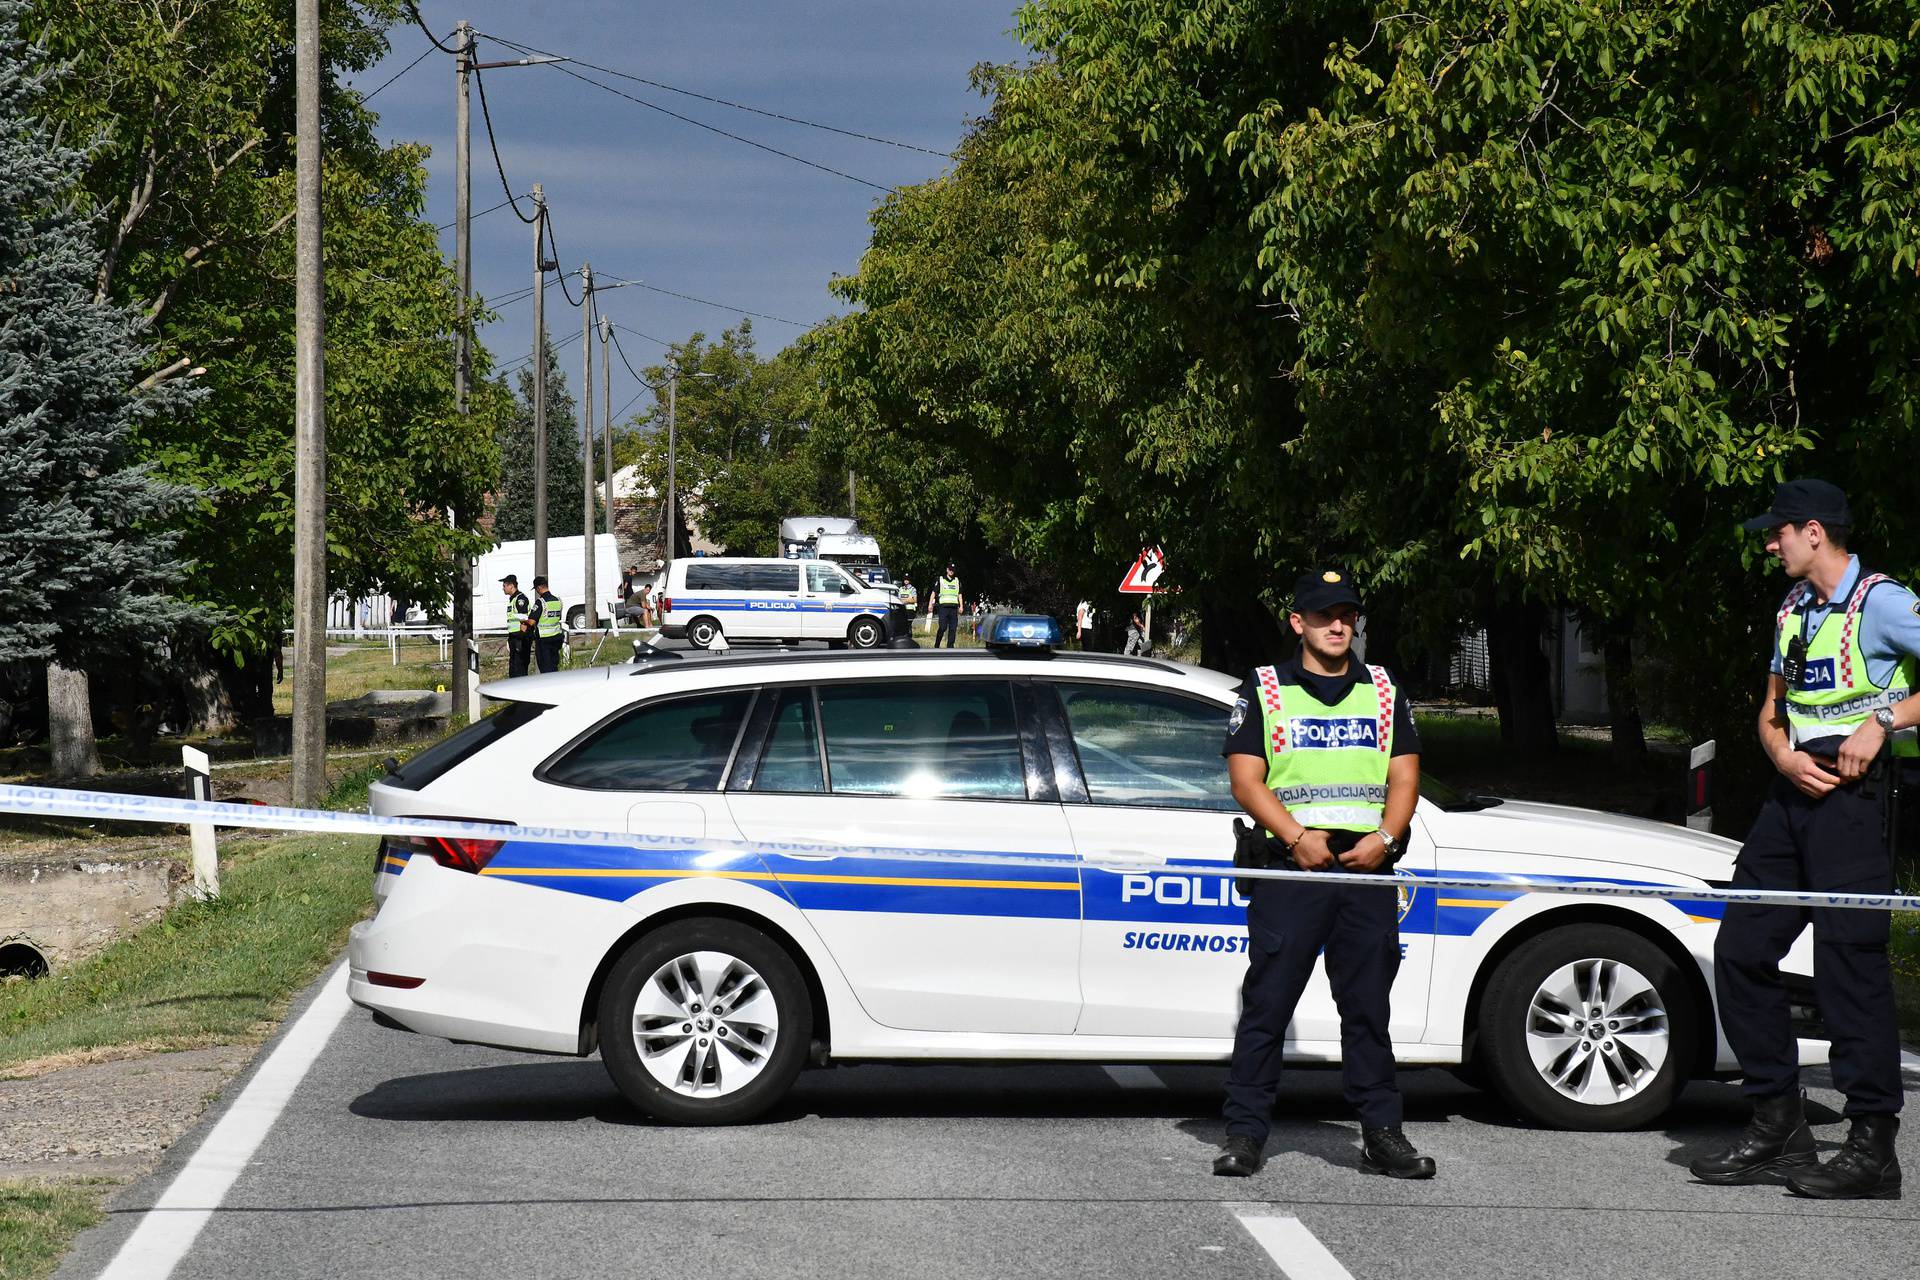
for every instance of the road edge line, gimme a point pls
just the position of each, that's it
(168, 1229)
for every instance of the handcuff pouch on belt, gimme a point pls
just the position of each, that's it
(1254, 848)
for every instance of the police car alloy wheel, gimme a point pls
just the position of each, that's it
(864, 633)
(1589, 1026)
(705, 1021)
(702, 632)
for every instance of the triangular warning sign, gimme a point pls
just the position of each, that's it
(1145, 573)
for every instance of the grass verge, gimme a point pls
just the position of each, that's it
(38, 1220)
(208, 972)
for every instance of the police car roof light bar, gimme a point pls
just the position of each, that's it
(1021, 631)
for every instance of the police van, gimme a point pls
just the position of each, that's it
(788, 858)
(711, 602)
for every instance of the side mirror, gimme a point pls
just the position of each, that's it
(847, 588)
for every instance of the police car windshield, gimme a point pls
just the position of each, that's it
(1451, 799)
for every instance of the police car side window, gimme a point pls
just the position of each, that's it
(791, 762)
(923, 739)
(1146, 747)
(679, 745)
(823, 577)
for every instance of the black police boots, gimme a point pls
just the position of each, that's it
(1777, 1143)
(1866, 1168)
(1239, 1157)
(1388, 1151)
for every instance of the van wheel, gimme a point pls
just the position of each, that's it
(1591, 1027)
(702, 632)
(577, 616)
(865, 633)
(705, 1022)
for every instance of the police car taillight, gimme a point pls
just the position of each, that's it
(460, 853)
(666, 604)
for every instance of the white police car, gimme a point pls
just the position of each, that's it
(713, 961)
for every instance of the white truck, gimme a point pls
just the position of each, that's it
(566, 577)
(835, 538)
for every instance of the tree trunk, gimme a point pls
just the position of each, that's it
(201, 690)
(70, 724)
(1240, 634)
(1623, 700)
(1522, 677)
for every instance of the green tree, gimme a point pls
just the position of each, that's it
(513, 504)
(81, 529)
(191, 180)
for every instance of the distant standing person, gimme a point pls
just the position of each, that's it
(1080, 612)
(520, 626)
(909, 597)
(552, 626)
(947, 602)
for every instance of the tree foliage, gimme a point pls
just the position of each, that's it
(82, 526)
(513, 503)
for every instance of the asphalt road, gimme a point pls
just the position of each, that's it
(402, 1156)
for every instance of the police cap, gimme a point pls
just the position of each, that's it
(540, 581)
(1798, 501)
(1323, 588)
(511, 579)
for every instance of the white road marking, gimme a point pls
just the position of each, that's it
(1135, 1077)
(1294, 1249)
(169, 1229)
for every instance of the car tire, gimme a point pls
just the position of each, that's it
(679, 1076)
(866, 633)
(1553, 1062)
(577, 616)
(702, 632)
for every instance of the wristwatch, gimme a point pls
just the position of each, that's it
(1883, 716)
(1387, 837)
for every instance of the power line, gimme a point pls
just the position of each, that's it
(427, 31)
(555, 246)
(517, 361)
(424, 55)
(494, 146)
(724, 102)
(700, 124)
(705, 302)
(483, 213)
(649, 337)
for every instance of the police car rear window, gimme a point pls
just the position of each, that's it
(445, 754)
(923, 739)
(682, 744)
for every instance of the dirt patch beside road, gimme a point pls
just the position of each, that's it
(109, 1119)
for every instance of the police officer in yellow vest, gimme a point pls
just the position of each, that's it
(550, 626)
(519, 626)
(1836, 712)
(947, 604)
(909, 597)
(1323, 754)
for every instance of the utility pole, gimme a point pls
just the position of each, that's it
(606, 413)
(853, 511)
(309, 425)
(539, 381)
(673, 391)
(586, 439)
(463, 346)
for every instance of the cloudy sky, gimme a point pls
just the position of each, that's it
(644, 196)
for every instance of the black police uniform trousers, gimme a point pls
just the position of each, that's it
(1289, 923)
(1834, 844)
(547, 651)
(519, 653)
(949, 626)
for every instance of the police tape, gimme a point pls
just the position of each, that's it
(108, 806)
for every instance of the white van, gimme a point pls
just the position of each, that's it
(566, 574)
(705, 599)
